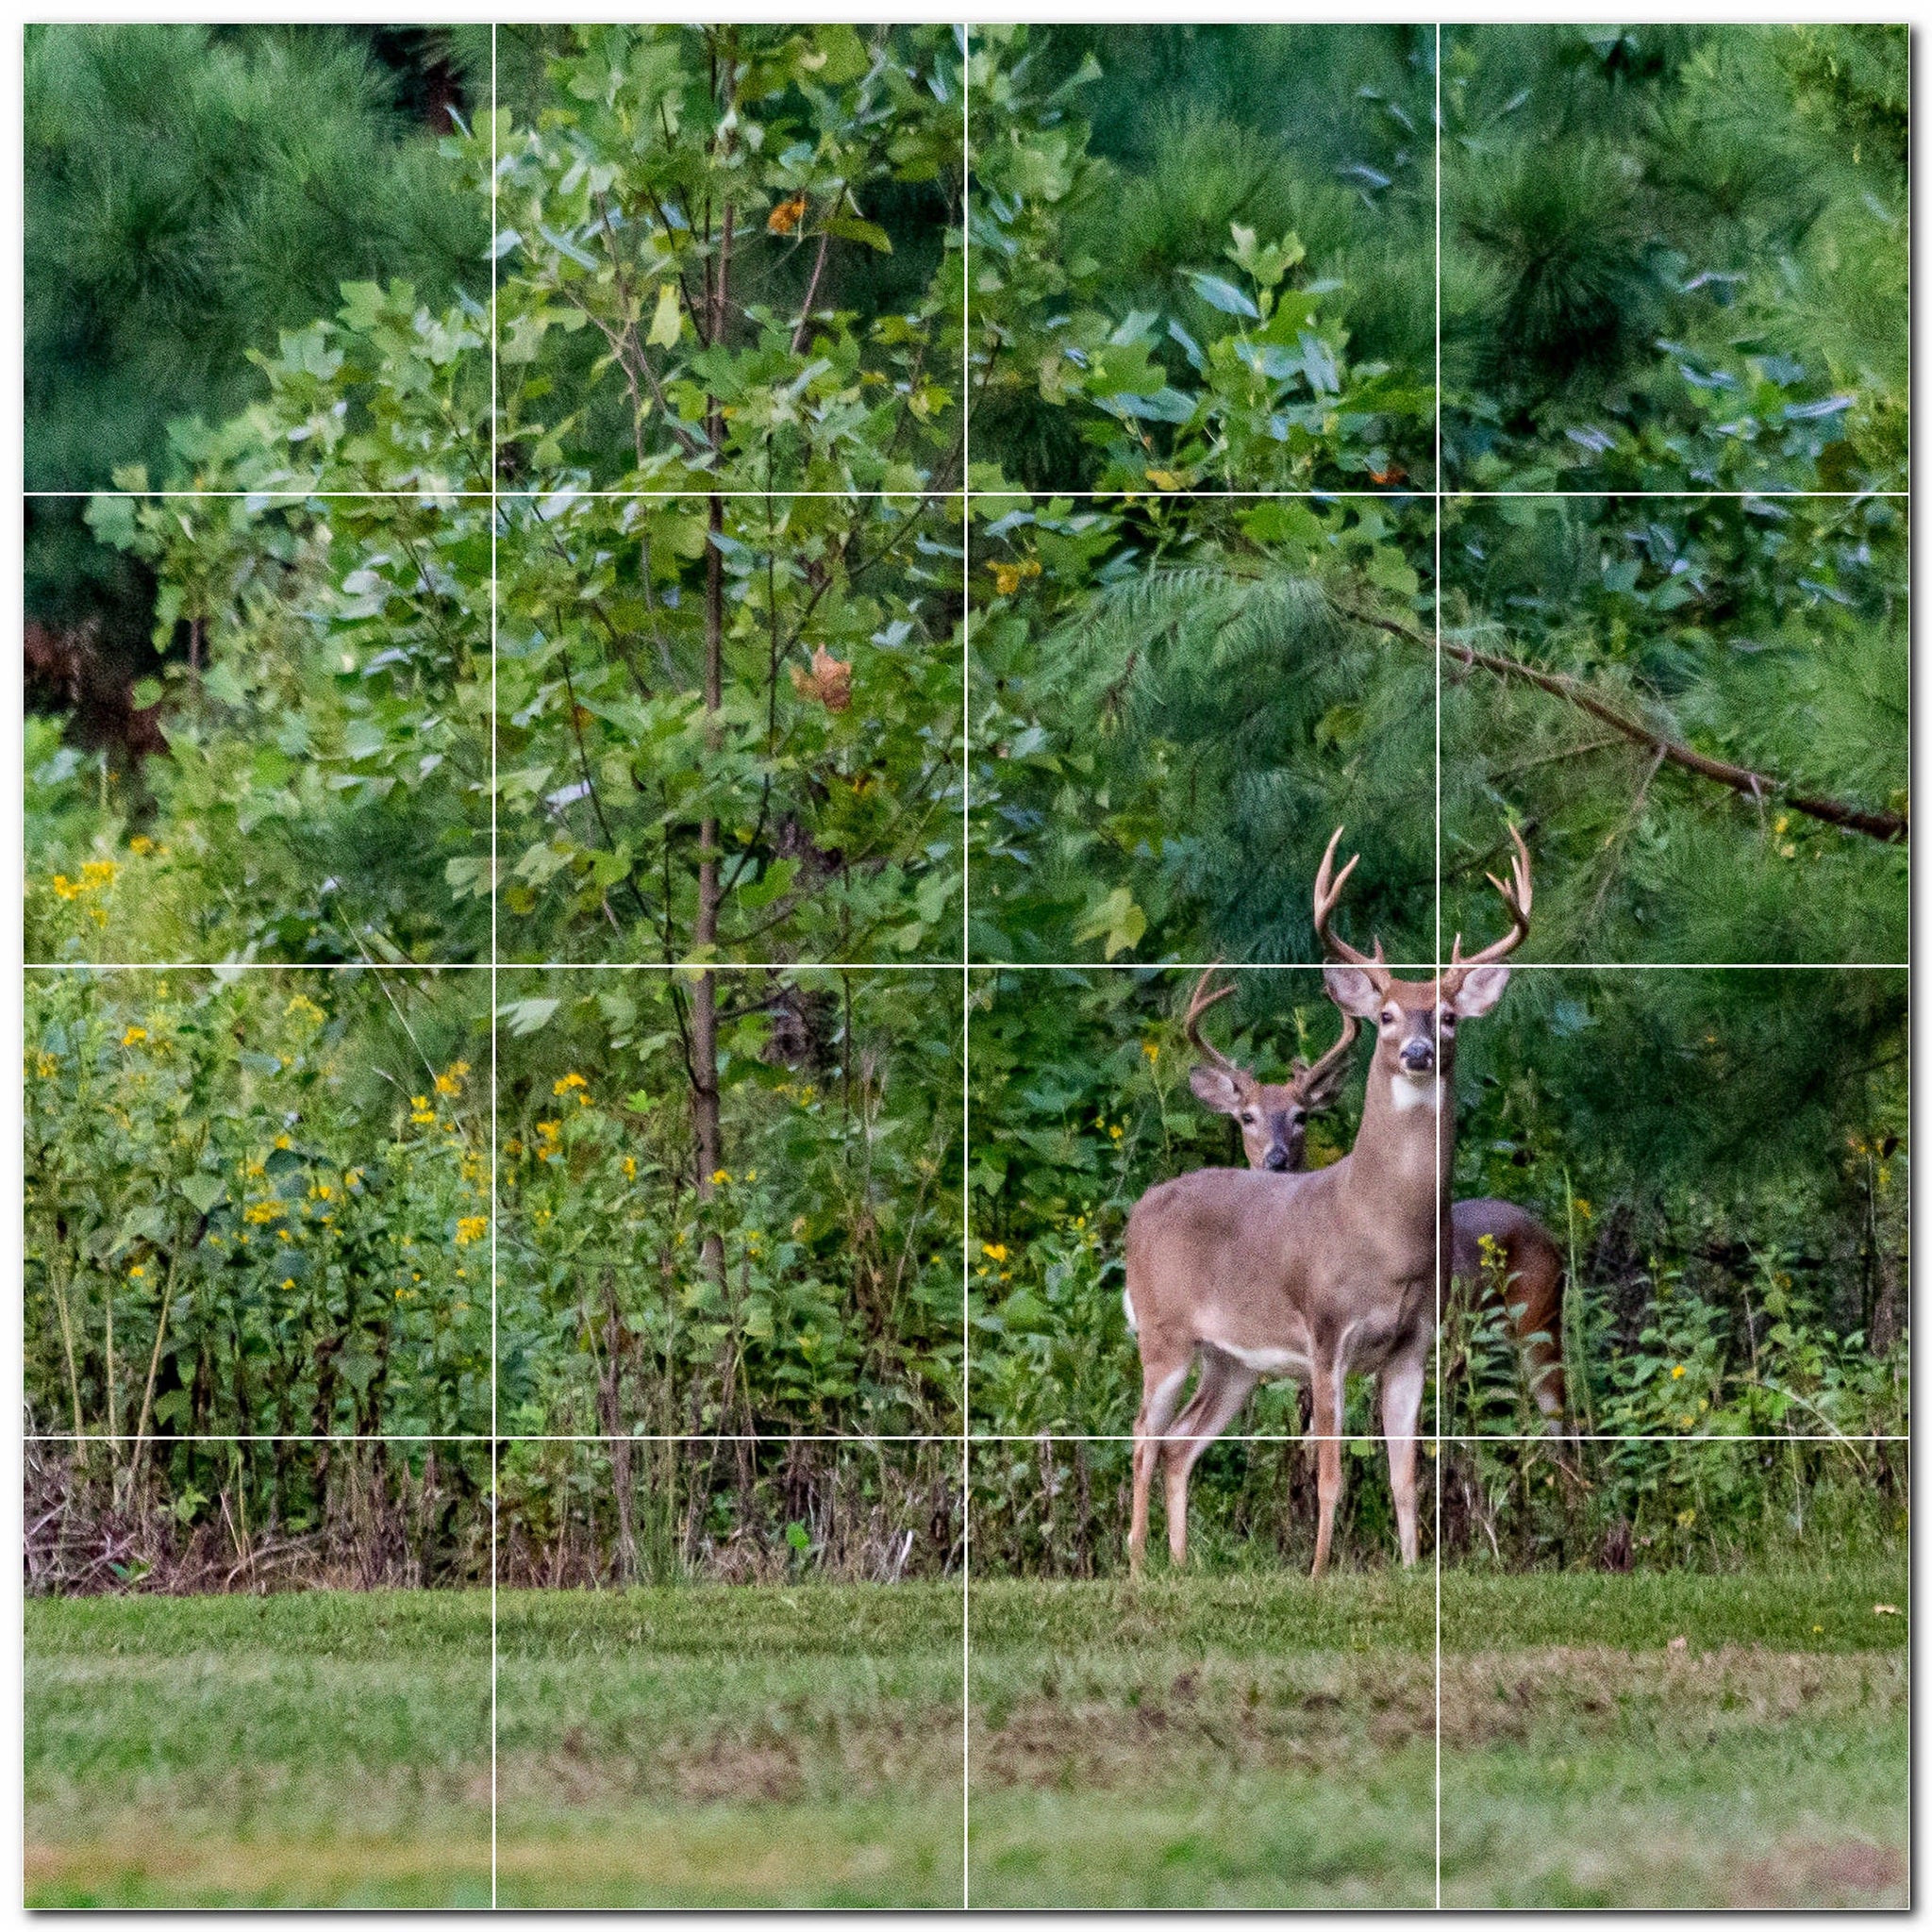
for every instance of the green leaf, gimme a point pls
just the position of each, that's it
(850, 228)
(1117, 920)
(201, 1191)
(1223, 296)
(526, 1017)
(668, 320)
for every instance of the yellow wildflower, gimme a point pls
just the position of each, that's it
(97, 871)
(1114, 1132)
(1677, 1371)
(45, 1065)
(65, 888)
(287, 1281)
(262, 1212)
(1008, 577)
(283, 1144)
(994, 1250)
(471, 1227)
(136, 1272)
(568, 1083)
(133, 1035)
(451, 1082)
(141, 844)
(1151, 1048)
(300, 1003)
(630, 1168)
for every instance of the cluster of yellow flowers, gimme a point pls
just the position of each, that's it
(994, 1252)
(1008, 577)
(573, 1083)
(95, 873)
(471, 1227)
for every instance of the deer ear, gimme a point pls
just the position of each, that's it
(1320, 1094)
(1353, 990)
(1480, 991)
(1216, 1090)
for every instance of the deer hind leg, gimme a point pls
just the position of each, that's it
(1224, 1386)
(1326, 1377)
(1402, 1402)
(1160, 1395)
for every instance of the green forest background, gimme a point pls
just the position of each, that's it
(731, 270)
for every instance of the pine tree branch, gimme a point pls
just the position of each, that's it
(1888, 826)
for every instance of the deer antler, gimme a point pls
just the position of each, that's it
(1309, 1079)
(1327, 894)
(1197, 1008)
(1516, 895)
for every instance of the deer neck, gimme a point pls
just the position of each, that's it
(1405, 1147)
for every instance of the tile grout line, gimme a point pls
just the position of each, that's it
(495, 1451)
(965, 974)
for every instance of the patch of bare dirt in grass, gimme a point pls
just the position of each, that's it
(1506, 1697)
(776, 1760)
(1804, 1872)
(1349, 1712)
(1232, 1719)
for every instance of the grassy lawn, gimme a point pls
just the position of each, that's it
(714, 1746)
(1248, 1740)
(318, 1749)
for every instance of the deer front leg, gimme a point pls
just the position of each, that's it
(1224, 1386)
(1160, 1393)
(1327, 1387)
(1402, 1402)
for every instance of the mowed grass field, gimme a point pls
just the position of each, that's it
(1251, 1741)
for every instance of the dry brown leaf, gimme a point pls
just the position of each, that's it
(828, 680)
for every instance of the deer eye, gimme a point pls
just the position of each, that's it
(1248, 1116)
(1389, 1015)
(1446, 1020)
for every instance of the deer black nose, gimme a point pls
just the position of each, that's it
(1418, 1057)
(1275, 1159)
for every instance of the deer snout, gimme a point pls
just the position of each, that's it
(1418, 1057)
(1276, 1159)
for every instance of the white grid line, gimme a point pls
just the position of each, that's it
(1436, 588)
(286, 498)
(495, 899)
(945, 966)
(1033, 1440)
(965, 969)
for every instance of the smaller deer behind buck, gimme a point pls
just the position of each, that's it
(1315, 1275)
(1273, 1118)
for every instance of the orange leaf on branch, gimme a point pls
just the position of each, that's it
(828, 681)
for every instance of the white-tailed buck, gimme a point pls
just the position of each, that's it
(1524, 1273)
(1315, 1275)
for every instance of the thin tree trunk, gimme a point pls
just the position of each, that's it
(611, 1401)
(153, 1363)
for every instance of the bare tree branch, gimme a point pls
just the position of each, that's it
(1888, 826)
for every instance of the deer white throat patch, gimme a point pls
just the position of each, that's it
(1407, 1094)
